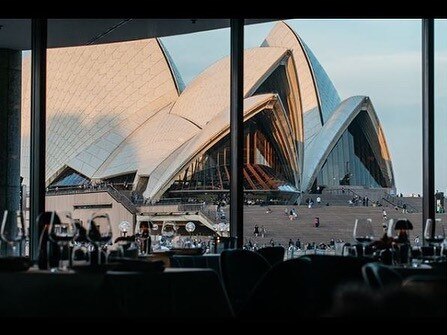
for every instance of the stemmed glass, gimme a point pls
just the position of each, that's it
(80, 254)
(168, 232)
(99, 231)
(62, 231)
(13, 229)
(142, 237)
(438, 235)
(363, 232)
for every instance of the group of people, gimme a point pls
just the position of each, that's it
(293, 246)
(359, 201)
(292, 214)
(259, 231)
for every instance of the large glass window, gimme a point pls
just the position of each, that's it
(441, 121)
(349, 91)
(135, 130)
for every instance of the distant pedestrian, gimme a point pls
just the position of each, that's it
(367, 201)
(384, 217)
(294, 213)
(318, 200)
(404, 208)
(291, 243)
(256, 231)
(291, 215)
(298, 243)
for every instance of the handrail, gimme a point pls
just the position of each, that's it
(112, 191)
(391, 200)
(344, 191)
(121, 198)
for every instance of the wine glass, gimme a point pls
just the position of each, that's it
(142, 232)
(99, 231)
(80, 254)
(363, 232)
(13, 230)
(62, 231)
(168, 232)
(434, 233)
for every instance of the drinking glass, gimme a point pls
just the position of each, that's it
(99, 232)
(168, 232)
(142, 232)
(13, 230)
(62, 231)
(434, 233)
(363, 232)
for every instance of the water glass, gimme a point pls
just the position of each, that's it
(13, 231)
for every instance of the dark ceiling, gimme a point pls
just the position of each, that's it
(16, 33)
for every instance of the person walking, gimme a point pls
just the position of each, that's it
(256, 231)
(318, 200)
(384, 216)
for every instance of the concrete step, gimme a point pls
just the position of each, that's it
(336, 222)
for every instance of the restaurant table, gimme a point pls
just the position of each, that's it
(174, 293)
(423, 269)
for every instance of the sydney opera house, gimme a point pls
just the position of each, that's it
(120, 114)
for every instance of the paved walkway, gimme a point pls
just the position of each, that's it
(335, 222)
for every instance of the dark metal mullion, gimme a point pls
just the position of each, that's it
(428, 130)
(38, 128)
(237, 131)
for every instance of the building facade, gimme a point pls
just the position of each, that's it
(119, 114)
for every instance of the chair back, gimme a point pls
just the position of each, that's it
(284, 293)
(329, 272)
(378, 276)
(241, 270)
(273, 255)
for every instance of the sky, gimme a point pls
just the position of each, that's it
(377, 58)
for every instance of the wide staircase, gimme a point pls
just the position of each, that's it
(333, 200)
(336, 222)
(121, 197)
(412, 204)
